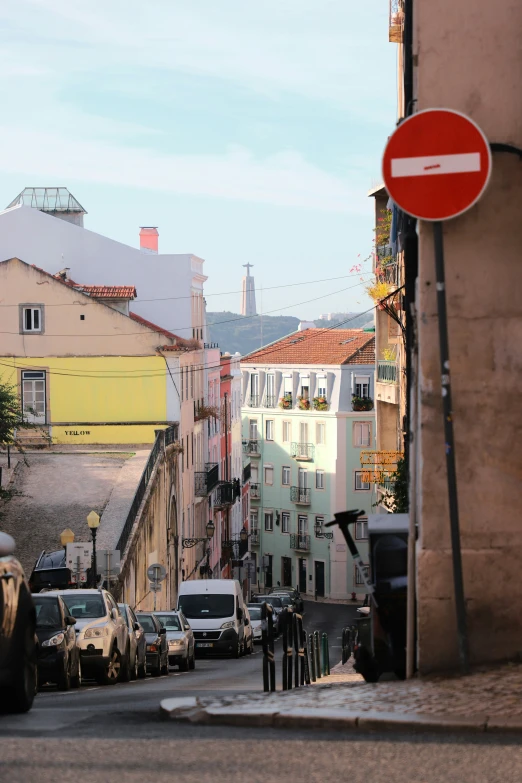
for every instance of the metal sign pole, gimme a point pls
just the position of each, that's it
(78, 571)
(460, 603)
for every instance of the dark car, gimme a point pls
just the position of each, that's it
(157, 645)
(137, 643)
(18, 643)
(50, 572)
(58, 653)
(276, 604)
(294, 596)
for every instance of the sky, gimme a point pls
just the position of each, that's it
(245, 132)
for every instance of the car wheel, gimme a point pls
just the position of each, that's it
(125, 668)
(184, 664)
(134, 672)
(64, 681)
(76, 679)
(142, 671)
(19, 698)
(111, 674)
(165, 667)
(250, 648)
(237, 651)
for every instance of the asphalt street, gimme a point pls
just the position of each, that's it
(114, 734)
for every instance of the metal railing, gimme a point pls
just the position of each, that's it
(254, 537)
(206, 480)
(386, 371)
(270, 401)
(253, 401)
(299, 541)
(247, 472)
(251, 447)
(303, 451)
(255, 491)
(300, 495)
(163, 438)
(389, 273)
(225, 494)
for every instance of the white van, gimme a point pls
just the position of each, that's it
(216, 612)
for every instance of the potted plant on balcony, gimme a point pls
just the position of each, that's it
(285, 401)
(361, 403)
(303, 403)
(320, 403)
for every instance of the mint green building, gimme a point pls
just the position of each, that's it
(307, 416)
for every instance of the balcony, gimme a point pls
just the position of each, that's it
(300, 542)
(270, 401)
(206, 480)
(302, 452)
(255, 538)
(252, 447)
(396, 23)
(300, 496)
(255, 491)
(247, 472)
(386, 371)
(226, 494)
(253, 401)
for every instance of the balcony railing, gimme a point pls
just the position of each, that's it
(303, 451)
(270, 401)
(252, 447)
(396, 23)
(226, 494)
(247, 472)
(389, 273)
(254, 537)
(255, 491)
(300, 496)
(206, 480)
(386, 371)
(253, 401)
(300, 542)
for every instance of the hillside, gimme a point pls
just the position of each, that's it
(235, 332)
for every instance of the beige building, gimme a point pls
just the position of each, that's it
(465, 56)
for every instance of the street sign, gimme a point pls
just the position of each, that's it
(156, 572)
(108, 561)
(78, 558)
(437, 164)
(155, 587)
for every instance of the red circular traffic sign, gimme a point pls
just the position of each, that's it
(437, 164)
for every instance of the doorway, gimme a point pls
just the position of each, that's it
(33, 396)
(319, 578)
(302, 575)
(286, 571)
(268, 572)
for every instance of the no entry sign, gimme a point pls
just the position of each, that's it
(437, 164)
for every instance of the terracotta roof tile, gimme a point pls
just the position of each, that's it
(319, 346)
(159, 329)
(107, 291)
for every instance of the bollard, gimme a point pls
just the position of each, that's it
(290, 649)
(264, 644)
(284, 620)
(344, 642)
(297, 681)
(301, 636)
(271, 652)
(269, 679)
(317, 652)
(325, 655)
(312, 657)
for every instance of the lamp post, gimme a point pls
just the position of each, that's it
(66, 537)
(93, 520)
(188, 543)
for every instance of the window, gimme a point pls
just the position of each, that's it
(358, 578)
(270, 391)
(286, 432)
(285, 522)
(320, 433)
(361, 530)
(254, 390)
(302, 524)
(181, 382)
(31, 317)
(360, 485)
(305, 388)
(362, 434)
(285, 476)
(319, 524)
(269, 429)
(253, 429)
(303, 432)
(319, 479)
(253, 520)
(303, 478)
(321, 387)
(269, 521)
(269, 474)
(362, 385)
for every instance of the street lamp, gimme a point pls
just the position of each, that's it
(318, 530)
(243, 534)
(93, 520)
(66, 537)
(188, 543)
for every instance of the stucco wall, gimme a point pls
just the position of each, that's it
(469, 60)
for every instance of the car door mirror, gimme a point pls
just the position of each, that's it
(114, 614)
(70, 620)
(239, 614)
(187, 628)
(163, 631)
(247, 621)
(136, 626)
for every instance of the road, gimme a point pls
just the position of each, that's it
(114, 735)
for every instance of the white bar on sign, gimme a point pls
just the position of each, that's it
(435, 164)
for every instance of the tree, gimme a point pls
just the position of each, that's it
(11, 420)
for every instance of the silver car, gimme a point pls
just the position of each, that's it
(180, 639)
(137, 643)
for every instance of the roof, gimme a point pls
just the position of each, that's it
(48, 200)
(183, 344)
(159, 329)
(107, 291)
(319, 346)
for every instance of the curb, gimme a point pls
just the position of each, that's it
(193, 711)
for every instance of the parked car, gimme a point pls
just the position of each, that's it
(58, 652)
(50, 572)
(276, 604)
(294, 595)
(255, 622)
(18, 642)
(180, 639)
(248, 647)
(215, 610)
(137, 643)
(157, 647)
(102, 635)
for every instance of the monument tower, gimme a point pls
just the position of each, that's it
(248, 297)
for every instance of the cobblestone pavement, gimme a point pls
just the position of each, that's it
(57, 491)
(494, 692)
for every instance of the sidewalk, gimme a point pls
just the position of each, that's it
(488, 700)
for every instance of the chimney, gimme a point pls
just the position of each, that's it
(149, 239)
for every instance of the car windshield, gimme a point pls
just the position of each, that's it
(285, 600)
(255, 612)
(147, 623)
(85, 606)
(203, 606)
(47, 613)
(169, 621)
(270, 600)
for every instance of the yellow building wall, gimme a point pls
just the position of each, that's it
(99, 399)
